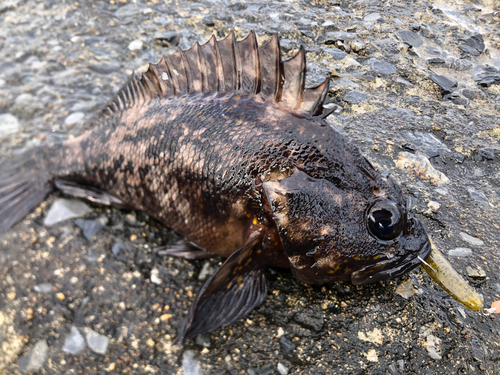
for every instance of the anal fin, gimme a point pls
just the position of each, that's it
(237, 287)
(185, 249)
(88, 192)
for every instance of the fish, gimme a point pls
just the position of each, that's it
(224, 144)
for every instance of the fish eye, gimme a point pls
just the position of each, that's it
(384, 220)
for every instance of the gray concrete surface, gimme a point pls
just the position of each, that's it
(420, 96)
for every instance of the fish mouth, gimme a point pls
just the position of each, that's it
(391, 268)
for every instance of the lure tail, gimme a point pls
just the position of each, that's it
(24, 183)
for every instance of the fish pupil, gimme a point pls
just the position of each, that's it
(384, 220)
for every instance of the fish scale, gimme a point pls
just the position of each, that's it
(224, 144)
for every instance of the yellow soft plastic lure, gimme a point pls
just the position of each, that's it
(442, 272)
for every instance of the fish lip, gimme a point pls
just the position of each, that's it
(390, 268)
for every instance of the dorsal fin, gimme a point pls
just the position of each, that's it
(162, 73)
(226, 63)
(224, 67)
(247, 65)
(194, 69)
(294, 71)
(209, 62)
(314, 98)
(177, 66)
(271, 68)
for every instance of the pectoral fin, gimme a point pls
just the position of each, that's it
(232, 292)
(185, 249)
(88, 192)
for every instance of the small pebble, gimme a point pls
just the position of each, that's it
(117, 248)
(477, 195)
(434, 206)
(36, 357)
(486, 153)
(421, 166)
(89, 227)
(287, 347)
(409, 37)
(447, 84)
(135, 45)
(96, 342)
(476, 272)
(154, 276)
(60, 296)
(203, 340)
(460, 252)
(433, 346)
(372, 355)
(166, 317)
(282, 369)
(381, 67)
(372, 17)
(406, 289)
(190, 365)
(471, 240)
(8, 125)
(336, 53)
(43, 288)
(355, 97)
(205, 271)
(64, 209)
(357, 45)
(74, 118)
(75, 342)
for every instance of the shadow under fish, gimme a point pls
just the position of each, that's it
(224, 144)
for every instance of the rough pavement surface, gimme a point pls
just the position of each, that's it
(419, 88)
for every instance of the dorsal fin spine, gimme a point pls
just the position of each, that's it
(271, 68)
(130, 98)
(141, 90)
(201, 62)
(224, 67)
(185, 65)
(167, 85)
(152, 82)
(147, 89)
(121, 105)
(226, 77)
(133, 91)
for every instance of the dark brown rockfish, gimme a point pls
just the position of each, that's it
(224, 144)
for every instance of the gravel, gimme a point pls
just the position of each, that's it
(65, 209)
(9, 124)
(62, 58)
(74, 342)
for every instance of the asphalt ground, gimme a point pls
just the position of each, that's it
(61, 61)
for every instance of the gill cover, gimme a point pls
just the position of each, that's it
(331, 234)
(311, 216)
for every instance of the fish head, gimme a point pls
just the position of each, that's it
(331, 234)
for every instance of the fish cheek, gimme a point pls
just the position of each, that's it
(306, 212)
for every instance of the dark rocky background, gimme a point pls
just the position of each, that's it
(417, 83)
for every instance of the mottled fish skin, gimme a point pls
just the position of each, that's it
(197, 163)
(223, 144)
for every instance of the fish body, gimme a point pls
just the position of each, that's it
(223, 144)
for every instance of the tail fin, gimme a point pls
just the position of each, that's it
(24, 183)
